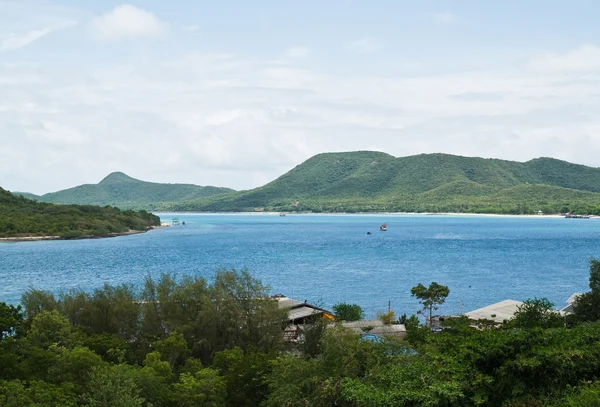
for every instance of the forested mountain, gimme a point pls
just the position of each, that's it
(120, 190)
(374, 181)
(20, 217)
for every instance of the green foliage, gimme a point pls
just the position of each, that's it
(189, 342)
(367, 181)
(594, 275)
(111, 386)
(203, 389)
(536, 313)
(431, 297)
(586, 395)
(20, 217)
(11, 319)
(245, 375)
(587, 305)
(348, 312)
(120, 190)
(312, 336)
(386, 317)
(416, 334)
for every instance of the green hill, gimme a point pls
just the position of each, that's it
(120, 190)
(20, 217)
(374, 181)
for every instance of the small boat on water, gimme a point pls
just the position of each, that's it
(282, 214)
(383, 227)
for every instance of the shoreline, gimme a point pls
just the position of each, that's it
(532, 216)
(17, 239)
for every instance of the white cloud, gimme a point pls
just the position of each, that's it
(365, 45)
(581, 59)
(16, 41)
(296, 53)
(445, 17)
(127, 21)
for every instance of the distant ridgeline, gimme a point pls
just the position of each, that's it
(122, 191)
(367, 181)
(20, 217)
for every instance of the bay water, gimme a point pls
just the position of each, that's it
(326, 259)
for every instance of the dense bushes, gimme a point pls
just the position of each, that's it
(192, 343)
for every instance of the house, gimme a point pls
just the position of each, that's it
(302, 313)
(498, 312)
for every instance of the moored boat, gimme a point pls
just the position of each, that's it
(383, 227)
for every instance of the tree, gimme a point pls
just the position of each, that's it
(587, 305)
(348, 312)
(51, 328)
(113, 386)
(431, 298)
(205, 388)
(11, 319)
(595, 275)
(535, 313)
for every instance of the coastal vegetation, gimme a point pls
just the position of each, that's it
(190, 342)
(20, 217)
(125, 192)
(366, 181)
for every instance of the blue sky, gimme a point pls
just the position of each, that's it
(234, 93)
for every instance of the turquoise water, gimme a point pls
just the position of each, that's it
(330, 258)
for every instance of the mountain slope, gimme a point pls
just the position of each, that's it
(374, 181)
(21, 217)
(123, 191)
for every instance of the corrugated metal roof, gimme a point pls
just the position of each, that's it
(573, 297)
(363, 324)
(394, 329)
(498, 312)
(285, 302)
(302, 312)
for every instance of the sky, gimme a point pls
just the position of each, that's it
(236, 93)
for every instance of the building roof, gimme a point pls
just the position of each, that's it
(573, 297)
(570, 307)
(377, 327)
(392, 329)
(302, 312)
(298, 309)
(363, 324)
(285, 302)
(497, 312)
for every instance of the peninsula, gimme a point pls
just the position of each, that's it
(25, 219)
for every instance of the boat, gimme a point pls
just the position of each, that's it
(282, 214)
(383, 227)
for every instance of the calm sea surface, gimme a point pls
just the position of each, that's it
(330, 258)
